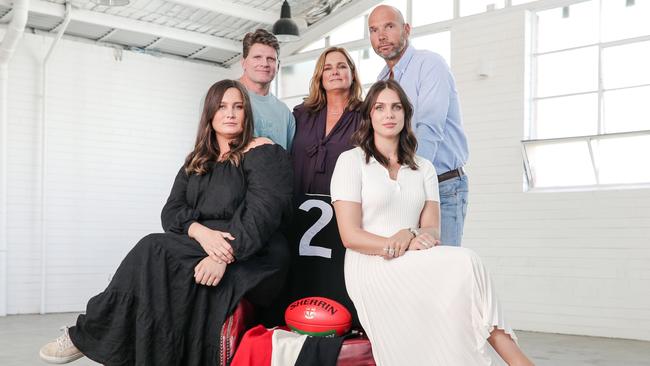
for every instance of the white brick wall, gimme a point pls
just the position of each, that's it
(570, 262)
(118, 132)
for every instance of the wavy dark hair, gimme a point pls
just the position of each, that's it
(365, 135)
(317, 98)
(206, 148)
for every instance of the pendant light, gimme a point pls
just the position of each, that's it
(285, 29)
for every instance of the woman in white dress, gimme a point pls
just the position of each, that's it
(421, 304)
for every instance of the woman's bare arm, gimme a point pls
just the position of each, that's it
(429, 230)
(348, 216)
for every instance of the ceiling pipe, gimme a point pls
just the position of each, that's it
(44, 146)
(15, 30)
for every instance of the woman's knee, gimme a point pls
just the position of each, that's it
(148, 243)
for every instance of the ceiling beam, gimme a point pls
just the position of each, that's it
(7, 17)
(128, 24)
(325, 25)
(231, 9)
(199, 52)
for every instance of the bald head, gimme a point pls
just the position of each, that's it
(385, 12)
(388, 33)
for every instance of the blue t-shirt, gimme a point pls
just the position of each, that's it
(273, 119)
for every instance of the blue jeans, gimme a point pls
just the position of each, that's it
(453, 208)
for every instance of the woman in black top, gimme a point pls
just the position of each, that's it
(325, 123)
(171, 294)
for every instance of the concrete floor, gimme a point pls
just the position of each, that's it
(22, 335)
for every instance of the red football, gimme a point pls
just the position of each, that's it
(318, 316)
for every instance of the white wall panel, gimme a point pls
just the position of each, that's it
(117, 133)
(563, 262)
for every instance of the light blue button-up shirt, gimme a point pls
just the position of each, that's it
(431, 88)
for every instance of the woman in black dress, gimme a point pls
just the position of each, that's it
(173, 291)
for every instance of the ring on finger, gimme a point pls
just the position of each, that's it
(391, 252)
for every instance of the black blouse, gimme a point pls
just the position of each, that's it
(314, 154)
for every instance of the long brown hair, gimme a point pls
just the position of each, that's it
(206, 148)
(365, 135)
(317, 99)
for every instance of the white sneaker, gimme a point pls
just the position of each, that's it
(60, 351)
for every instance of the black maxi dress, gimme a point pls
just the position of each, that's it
(153, 313)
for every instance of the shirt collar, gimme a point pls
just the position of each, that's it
(401, 65)
(374, 161)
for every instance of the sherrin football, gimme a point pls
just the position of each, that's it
(318, 316)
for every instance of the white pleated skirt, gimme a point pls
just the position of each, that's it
(428, 307)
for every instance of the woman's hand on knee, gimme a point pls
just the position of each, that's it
(215, 244)
(209, 272)
(397, 244)
(423, 241)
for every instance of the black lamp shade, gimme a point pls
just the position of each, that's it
(285, 29)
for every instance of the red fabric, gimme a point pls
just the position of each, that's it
(255, 348)
(356, 352)
(233, 330)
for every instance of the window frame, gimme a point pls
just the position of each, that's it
(532, 99)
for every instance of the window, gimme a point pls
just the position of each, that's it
(439, 43)
(471, 7)
(294, 79)
(427, 11)
(314, 46)
(369, 65)
(519, 2)
(589, 122)
(350, 31)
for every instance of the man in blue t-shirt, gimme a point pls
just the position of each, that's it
(273, 119)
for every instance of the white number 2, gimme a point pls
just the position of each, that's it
(305, 248)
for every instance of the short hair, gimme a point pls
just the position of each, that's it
(261, 36)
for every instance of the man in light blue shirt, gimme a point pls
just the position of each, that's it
(431, 88)
(272, 117)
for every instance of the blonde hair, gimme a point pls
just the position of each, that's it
(317, 99)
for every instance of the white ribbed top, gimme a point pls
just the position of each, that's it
(387, 205)
(433, 307)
